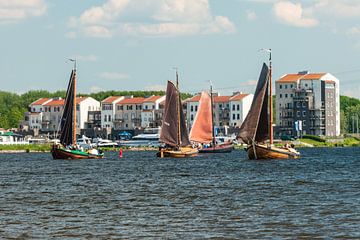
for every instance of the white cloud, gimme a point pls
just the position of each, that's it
(113, 76)
(293, 14)
(251, 15)
(155, 88)
(251, 82)
(16, 10)
(151, 18)
(95, 89)
(71, 34)
(85, 58)
(353, 31)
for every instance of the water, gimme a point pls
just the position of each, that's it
(212, 196)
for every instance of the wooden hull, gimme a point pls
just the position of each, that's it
(181, 153)
(223, 148)
(271, 152)
(63, 153)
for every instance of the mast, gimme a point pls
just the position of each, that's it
(178, 108)
(74, 107)
(212, 115)
(270, 101)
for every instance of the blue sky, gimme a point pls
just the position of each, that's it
(135, 44)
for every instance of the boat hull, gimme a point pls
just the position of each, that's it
(271, 152)
(181, 153)
(223, 148)
(63, 153)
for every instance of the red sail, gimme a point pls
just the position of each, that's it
(201, 130)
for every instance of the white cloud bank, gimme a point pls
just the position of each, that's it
(150, 18)
(293, 14)
(16, 10)
(312, 13)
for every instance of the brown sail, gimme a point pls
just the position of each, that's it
(202, 131)
(173, 129)
(169, 127)
(67, 119)
(256, 124)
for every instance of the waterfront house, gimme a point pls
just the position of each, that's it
(308, 103)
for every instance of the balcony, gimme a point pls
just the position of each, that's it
(118, 120)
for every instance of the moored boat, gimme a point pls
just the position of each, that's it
(67, 147)
(257, 130)
(174, 133)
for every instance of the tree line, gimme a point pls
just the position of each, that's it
(13, 106)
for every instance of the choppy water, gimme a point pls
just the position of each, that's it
(210, 196)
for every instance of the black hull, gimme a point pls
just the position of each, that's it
(224, 148)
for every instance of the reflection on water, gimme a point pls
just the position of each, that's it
(210, 196)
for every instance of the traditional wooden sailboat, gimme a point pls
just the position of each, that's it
(204, 133)
(257, 126)
(67, 149)
(173, 130)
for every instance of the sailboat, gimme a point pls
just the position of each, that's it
(173, 130)
(204, 133)
(68, 149)
(257, 127)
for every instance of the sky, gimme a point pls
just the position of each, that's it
(137, 44)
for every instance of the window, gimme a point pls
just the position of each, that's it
(105, 118)
(286, 94)
(196, 108)
(280, 95)
(298, 104)
(238, 107)
(233, 107)
(298, 113)
(233, 116)
(192, 108)
(304, 113)
(280, 86)
(238, 116)
(285, 86)
(291, 86)
(191, 117)
(304, 104)
(109, 118)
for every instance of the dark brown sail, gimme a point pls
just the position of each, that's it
(169, 127)
(184, 135)
(67, 119)
(256, 124)
(171, 133)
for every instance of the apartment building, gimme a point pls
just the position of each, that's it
(128, 113)
(35, 115)
(308, 103)
(152, 111)
(45, 113)
(108, 108)
(240, 104)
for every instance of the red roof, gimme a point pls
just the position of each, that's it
(135, 100)
(40, 101)
(61, 102)
(195, 98)
(110, 99)
(218, 99)
(56, 102)
(289, 78)
(152, 98)
(238, 97)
